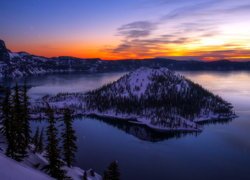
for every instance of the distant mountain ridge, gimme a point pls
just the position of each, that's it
(24, 64)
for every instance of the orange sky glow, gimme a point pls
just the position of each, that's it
(196, 29)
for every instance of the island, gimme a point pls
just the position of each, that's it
(156, 97)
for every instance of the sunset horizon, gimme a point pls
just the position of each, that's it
(200, 29)
(125, 89)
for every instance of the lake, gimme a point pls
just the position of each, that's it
(221, 151)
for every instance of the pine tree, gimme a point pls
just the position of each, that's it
(6, 113)
(17, 130)
(85, 176)
(25, 112)
(15, 123)
(40, 142)
(112, 173)
(52, 148)
(7, 121)
(69, 138)
(35, 139)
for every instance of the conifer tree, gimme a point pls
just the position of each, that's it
(69, 138)
(7, 121)
(25, 113)
(17, 131)
(36, 139)
(40, 142)
(6, 113)
(15, 123)
(52, 148)
(85, 176)
(112, 173)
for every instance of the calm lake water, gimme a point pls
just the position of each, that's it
(221, 151)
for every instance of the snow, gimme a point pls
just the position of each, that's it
(76, 174)
(138, 82)
(191, 126)
(13, 55)
(12, 170)
(26, 169)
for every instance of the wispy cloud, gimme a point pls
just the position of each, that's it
(189, 10)
(186, 25)
(137, 29)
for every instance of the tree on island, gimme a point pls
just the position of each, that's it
(52, 148)
(112, 172)
(69, 138)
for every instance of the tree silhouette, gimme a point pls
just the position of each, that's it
(112, 172)
(69, 138)
(52, 148)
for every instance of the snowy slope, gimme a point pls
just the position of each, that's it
(12, 170)
(139, 82)
(32, 167)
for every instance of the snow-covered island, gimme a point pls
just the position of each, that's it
(155, 97)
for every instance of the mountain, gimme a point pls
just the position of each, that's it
(24, 64)
(155, 97)
(4, 52)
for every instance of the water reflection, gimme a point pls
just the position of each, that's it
(143, 132)
(215, 121)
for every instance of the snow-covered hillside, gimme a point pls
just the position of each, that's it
(156, 97)
(32, 167)
(12, 170)
(140, 83)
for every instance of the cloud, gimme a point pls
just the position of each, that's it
(212, 9)
(137, 29)
(121, 48)
(227, 53)
(241, 8)
(186, 24)
(147, 47)
(188, 10)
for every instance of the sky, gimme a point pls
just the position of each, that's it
(124, 29)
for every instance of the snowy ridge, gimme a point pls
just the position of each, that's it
(21, 64)
(155, 97)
